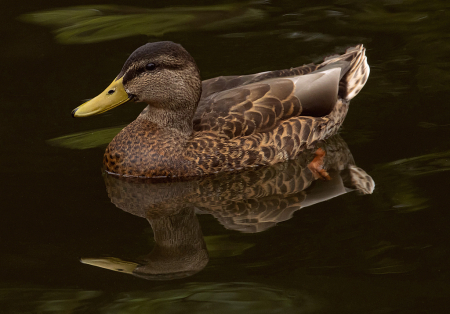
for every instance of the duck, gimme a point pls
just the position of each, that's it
(193, 128)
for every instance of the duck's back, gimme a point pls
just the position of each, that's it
(269, 117)
(243, 105)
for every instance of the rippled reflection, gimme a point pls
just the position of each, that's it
(250, 201)
(95, 23)
(240, 297)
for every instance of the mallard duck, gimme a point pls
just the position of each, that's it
(194, 128)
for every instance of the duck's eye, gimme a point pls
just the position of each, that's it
(150, 67)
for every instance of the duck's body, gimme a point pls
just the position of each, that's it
(194, 128)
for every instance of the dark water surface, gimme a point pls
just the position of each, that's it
(273, 240)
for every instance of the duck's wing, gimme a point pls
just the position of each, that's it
(261, 107)
(244, 105)
(222, 83)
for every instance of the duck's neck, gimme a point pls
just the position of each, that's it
(176, 110)
(179, 120)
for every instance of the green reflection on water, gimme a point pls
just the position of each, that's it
(406, 196)
(222, 246)
(86, 139)
(421, 165)
(89, 24)
(191, 298)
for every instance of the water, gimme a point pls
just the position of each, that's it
(387, 252)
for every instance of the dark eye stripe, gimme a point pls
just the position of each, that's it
(135, 72)
(132, 73)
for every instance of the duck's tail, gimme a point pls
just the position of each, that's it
(355, 79)
(354, 70)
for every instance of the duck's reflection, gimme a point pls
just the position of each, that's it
(250, 201)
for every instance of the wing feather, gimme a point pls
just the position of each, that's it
(262, 106)
(234, 106)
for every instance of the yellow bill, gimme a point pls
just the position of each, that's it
(113, 96)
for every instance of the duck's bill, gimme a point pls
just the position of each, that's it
(113, 96)
(111, 263)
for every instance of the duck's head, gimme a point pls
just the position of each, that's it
(162, 74)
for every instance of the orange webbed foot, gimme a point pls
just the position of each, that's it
(316, 166)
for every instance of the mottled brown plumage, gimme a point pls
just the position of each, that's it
(194, 128)
(253, 199)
